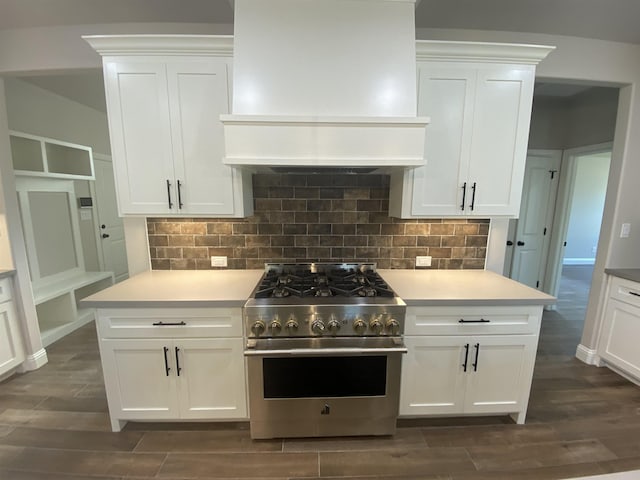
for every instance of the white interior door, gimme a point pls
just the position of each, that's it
(111, 230)
(533, 230)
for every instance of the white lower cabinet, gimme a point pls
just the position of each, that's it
(617, 345)
(463, 374)
(11, 350)
(172, 377)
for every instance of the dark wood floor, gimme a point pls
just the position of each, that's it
(582, 421)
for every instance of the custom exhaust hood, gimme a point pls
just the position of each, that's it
(324, 83)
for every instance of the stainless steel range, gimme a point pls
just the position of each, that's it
(324, 351)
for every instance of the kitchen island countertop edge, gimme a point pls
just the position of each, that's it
(178, 288)
(461, 287)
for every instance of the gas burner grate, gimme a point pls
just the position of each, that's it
(334, 282)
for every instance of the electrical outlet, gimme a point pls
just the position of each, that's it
(218, 261)
(423, 261)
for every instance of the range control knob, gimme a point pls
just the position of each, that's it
(275, 326)
(393, 326)
(359, 326)
(258, 328)
(318, 327)
(291, 326)
(334, 326)
(376, 326)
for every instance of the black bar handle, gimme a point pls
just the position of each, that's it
(464, 194)
(634, 294)
(169, 194)
(178, 369)
(166, 361)
(482, 320)
(520, 243)
(180, 204)
(466, 357)
(475, 364)
(473, 196)
(169, 324)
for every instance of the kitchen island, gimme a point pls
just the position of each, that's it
(172, 344)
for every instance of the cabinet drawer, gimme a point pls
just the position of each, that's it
(5, 290)
(625, 291)
(473, 320)
(169, 322)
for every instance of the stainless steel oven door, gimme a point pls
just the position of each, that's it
(312, 387)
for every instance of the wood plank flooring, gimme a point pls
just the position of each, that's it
(582, 421)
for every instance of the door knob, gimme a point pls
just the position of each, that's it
(520, 243)
(509, 243)
(105, 235)
(103, 226)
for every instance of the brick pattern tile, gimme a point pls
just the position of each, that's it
(317, 218)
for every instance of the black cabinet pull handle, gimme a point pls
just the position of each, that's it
(473, 196)
(466, 357)
(475, 364)
(482, 320)
(105, 235)
(520, 243)
(169, 194)
(178, 369)
(464, 194)
(169, 324)
(180, 204)
(634, 294)
(166, 361)
(509, 243)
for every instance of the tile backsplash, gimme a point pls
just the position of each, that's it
(317, 218)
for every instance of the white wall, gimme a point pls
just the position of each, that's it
(591, 118)
(33, 110)
(548, 129)
(587, 204)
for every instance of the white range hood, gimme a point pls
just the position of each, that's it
(324, 83)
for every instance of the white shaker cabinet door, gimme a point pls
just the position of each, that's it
(199, 94)
(445, 94)
(211, 381)
(502, 114)
(433, 377)
(619, 338)
(500, 373)
(138, 111)
(11, 350)
(140, 379)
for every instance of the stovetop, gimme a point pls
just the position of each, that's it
(318, 280)
(323, 299)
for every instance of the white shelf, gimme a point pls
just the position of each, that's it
(57, 303)
(47, 157)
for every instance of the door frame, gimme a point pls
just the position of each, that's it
(96, 214)
(566, 185)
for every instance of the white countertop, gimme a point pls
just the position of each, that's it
(231, 288)
(461, 287)
(179, 288)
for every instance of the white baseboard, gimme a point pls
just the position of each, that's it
(34, 361)
(578, 261)
(588, 356)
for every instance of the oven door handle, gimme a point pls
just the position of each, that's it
(297, 352)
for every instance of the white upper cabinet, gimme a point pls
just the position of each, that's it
(479, 98)
(165, 96)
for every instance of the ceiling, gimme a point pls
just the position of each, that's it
(601, 19)
(581, 18)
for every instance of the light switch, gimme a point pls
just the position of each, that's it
(625, 231)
